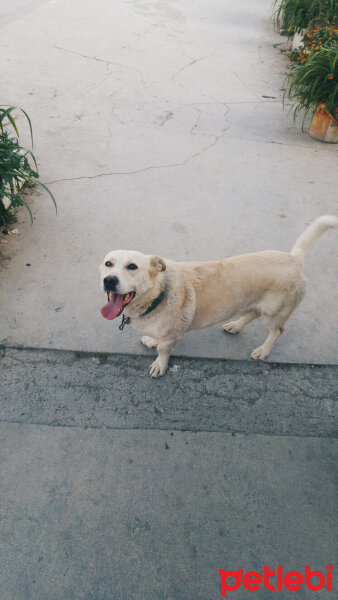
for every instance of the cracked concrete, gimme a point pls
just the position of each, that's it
(72, 389)
(107, 62)
(190, 64)
(151, 115)
(184, 162)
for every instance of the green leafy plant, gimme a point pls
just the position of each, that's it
(18, 166)
(292, 16)
(314, 82)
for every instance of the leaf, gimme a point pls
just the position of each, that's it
(6, 113)
(48, 191)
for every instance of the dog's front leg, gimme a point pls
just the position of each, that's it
(164, 348)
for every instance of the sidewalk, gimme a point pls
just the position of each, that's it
(159, 127)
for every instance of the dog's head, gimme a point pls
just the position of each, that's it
(125, 276)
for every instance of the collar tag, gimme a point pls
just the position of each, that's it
(125, 321)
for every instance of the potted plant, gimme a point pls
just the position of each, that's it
(313, 83)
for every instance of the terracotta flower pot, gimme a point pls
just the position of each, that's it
(324, 127)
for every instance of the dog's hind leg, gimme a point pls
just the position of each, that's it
(276, 312)
(149, 341)
(264, 350)
(237, 326)
(275, 324)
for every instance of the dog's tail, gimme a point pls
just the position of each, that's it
(308, 239)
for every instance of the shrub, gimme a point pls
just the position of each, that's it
(291, 16)
(15, 167)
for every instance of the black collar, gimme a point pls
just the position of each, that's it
(155, 302)
(151, 307)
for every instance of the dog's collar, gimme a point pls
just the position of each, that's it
(151, 307)
(155, 302)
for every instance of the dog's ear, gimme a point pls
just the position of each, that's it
(158, 263)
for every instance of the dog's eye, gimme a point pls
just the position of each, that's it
(108, 263)
(132, 267)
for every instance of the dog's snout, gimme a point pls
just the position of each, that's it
(110, 282)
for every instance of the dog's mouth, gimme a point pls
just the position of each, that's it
(116, 304)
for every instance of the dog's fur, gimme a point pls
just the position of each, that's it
(200, 294)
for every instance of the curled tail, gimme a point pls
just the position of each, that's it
(308, 239)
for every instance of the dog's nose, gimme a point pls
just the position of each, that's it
(110, 282)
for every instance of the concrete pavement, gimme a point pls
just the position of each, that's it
(159, 127)
(106, 496)
(154, 515)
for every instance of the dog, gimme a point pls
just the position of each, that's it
(164, 299)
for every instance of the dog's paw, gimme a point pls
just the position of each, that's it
(148, 341)
(156, 369)
(259, 353)
(231, 327)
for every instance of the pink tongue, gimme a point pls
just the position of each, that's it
(112, 309)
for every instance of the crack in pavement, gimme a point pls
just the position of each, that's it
(97, 59)
(193, 62)
(152, 167)
(262, 141)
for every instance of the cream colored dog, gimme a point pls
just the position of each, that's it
(165, 299)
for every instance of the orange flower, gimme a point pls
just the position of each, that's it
(304, 59)
(330, 77)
